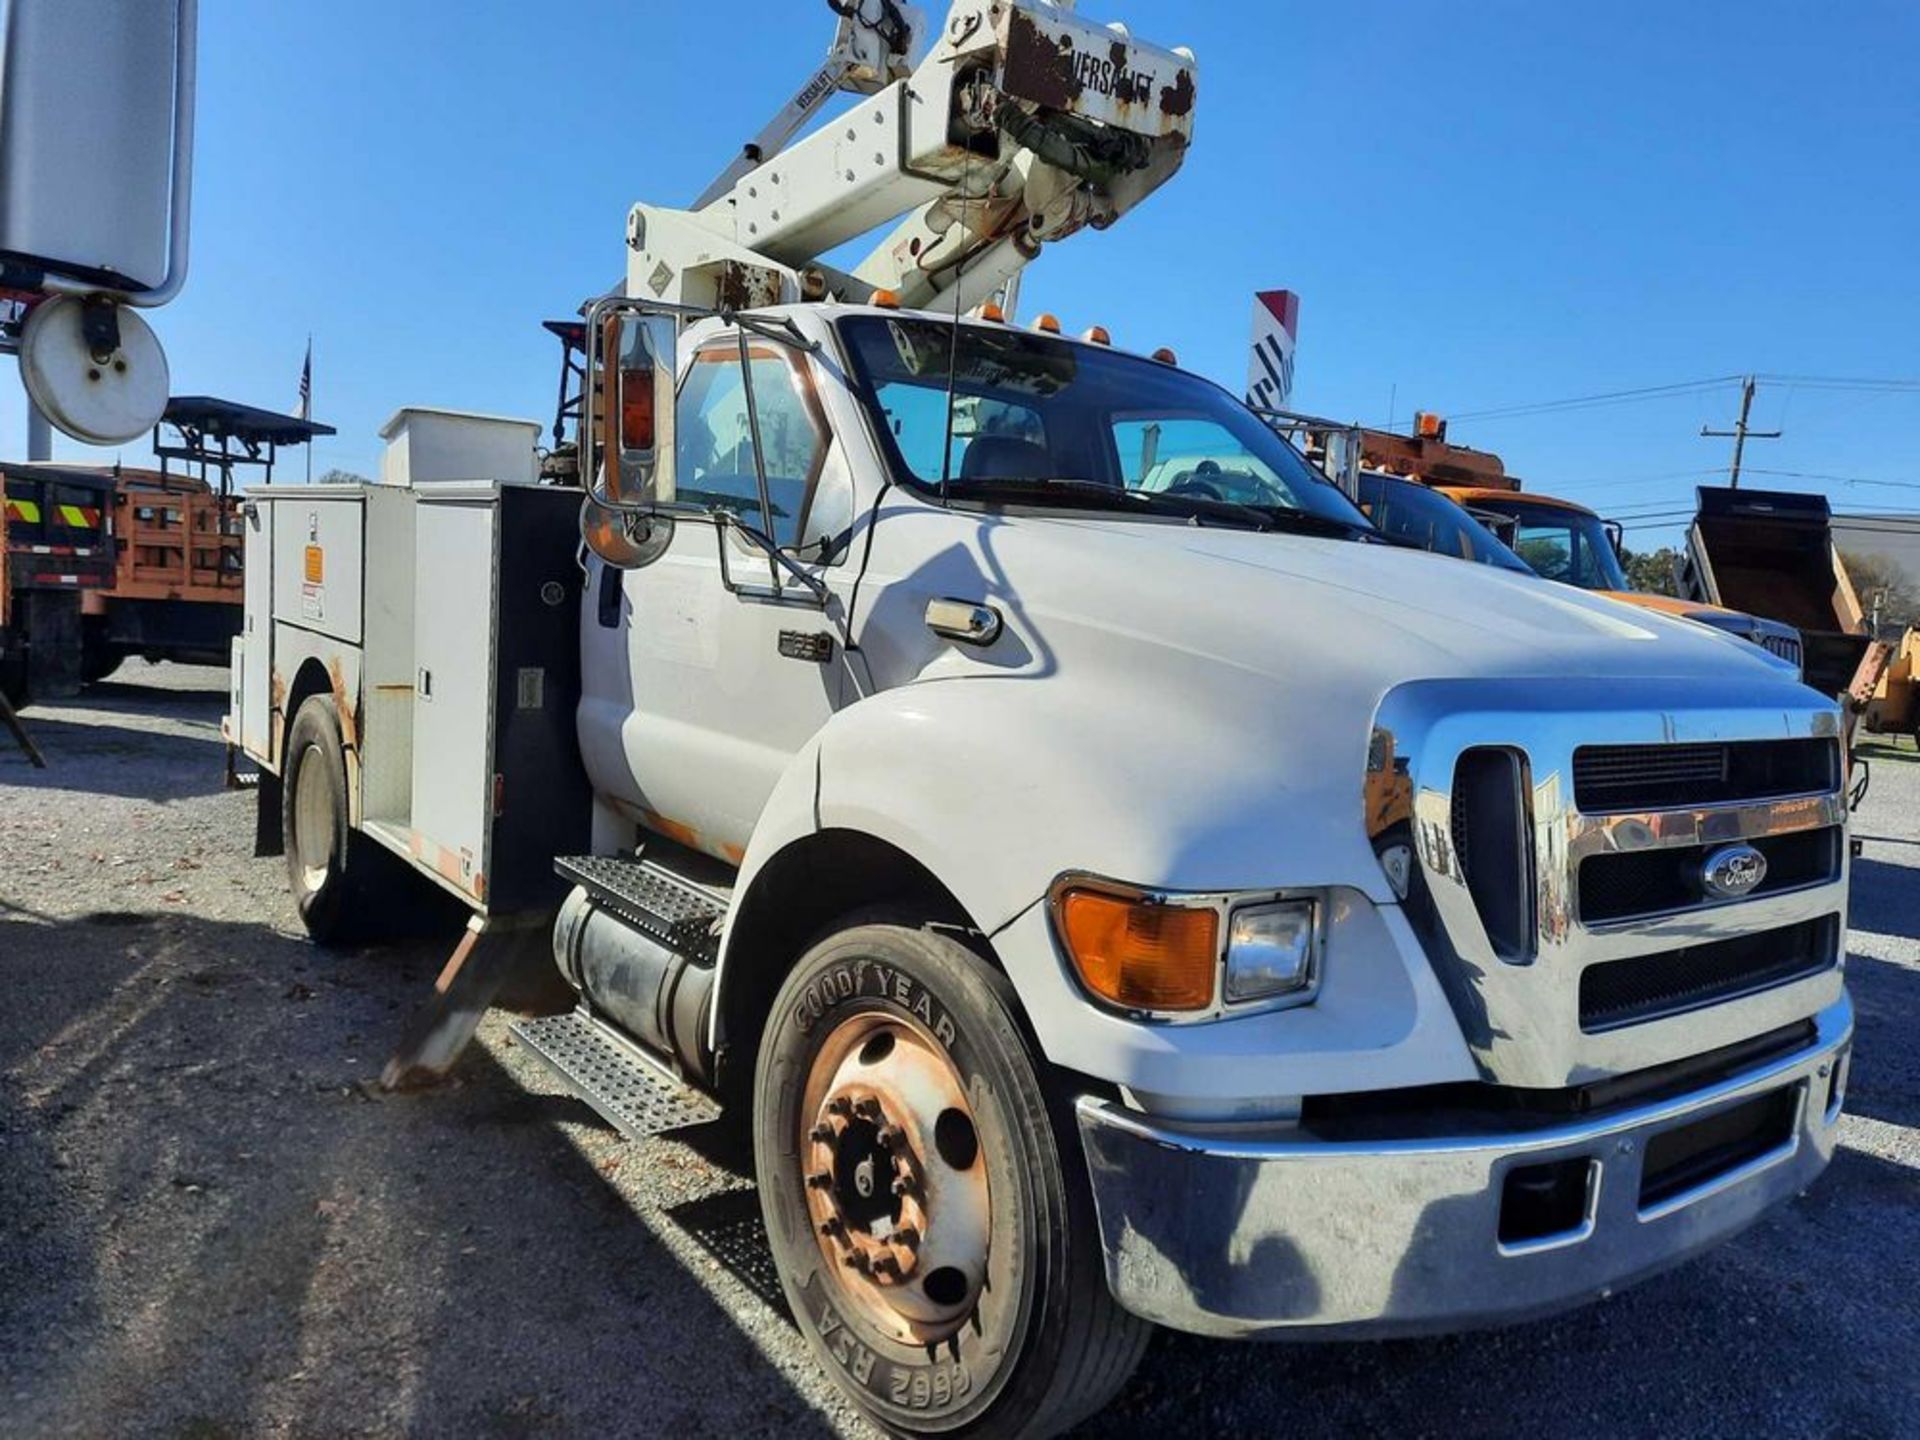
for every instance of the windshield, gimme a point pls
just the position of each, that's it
(1038, 418)
(1407, 510)
(1572, 546)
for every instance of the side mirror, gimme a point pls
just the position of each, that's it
(630, 390)
(1617, 534)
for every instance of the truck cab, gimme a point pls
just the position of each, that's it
(1281, 839)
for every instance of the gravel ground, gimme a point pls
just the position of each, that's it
(213, 1224)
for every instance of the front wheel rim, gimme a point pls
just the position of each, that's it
(314, 834)
(895, 1178)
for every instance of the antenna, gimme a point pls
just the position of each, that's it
(953, 342)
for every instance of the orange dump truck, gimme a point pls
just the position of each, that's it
(1558, 539)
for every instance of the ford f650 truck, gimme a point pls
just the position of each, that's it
(1109, 904)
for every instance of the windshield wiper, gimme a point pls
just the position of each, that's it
(1308, 523)
(1086, 493)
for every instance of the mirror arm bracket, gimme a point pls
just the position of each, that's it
(777, 560)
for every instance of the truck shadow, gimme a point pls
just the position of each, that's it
(216, 1224)
(1885, 899)
(1884, 1082)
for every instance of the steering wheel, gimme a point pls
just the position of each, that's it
(1198, 483)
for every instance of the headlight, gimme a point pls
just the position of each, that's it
(1269, 951)
(1185, 956)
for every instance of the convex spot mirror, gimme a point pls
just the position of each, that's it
(624, 539)
(630, 387)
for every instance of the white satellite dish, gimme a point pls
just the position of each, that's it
(103, 388)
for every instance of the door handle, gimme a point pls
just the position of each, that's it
(968, 621)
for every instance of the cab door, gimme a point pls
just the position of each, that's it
(703, 678)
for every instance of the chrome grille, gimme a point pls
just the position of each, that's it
(1608, 779)
(1616, 888)
(1668, 982)
(1626, 787)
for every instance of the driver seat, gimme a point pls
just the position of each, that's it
(1006, 457)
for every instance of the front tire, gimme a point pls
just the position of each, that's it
(925, 1195)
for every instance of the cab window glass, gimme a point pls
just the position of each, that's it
(917, 417)
(1193, 455)
(714, 449)
(1549, 550)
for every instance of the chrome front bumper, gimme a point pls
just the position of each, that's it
(1223, 1231)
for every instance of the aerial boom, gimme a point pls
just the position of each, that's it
(1022, 125)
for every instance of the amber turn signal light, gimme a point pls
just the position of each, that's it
(1138, 954)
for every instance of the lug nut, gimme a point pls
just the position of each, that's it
(904, 1185)
(869, 1107)
(888, 1266)
(833, 1227)
(908, 1236)
(892, 1136)
(820, 1180)
(857, 1261)
(821, 1134)
(840, 1105)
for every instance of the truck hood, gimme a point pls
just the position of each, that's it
(1277, 601)
(1207, 696)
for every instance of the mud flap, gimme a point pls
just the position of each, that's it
(269, 838)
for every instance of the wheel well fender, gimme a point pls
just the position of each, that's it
(314, 678)
(308, 681)
(791, 899)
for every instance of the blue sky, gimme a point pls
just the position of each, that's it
(1482, 206)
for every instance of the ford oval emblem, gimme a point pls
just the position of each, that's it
(1733, 871)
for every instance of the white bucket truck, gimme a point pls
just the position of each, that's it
(1117, 892)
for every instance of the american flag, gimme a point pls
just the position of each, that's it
(305, 409)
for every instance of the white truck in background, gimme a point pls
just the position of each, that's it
(1110, 904)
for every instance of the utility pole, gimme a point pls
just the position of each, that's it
(1740, 432)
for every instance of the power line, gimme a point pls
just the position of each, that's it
(1609, 397)
(1840, 382)
(1837, 479)
(1884, 522)
(1685, 387)
(1618, 480)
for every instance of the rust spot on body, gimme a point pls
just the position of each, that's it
(688, 836)
(1177, 98)
(349, 727)
(1038, 67)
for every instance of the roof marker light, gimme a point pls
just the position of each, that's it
(1097, 335)
(886, 299)
(1049, 323)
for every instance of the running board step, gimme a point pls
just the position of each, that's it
(631, 1092)
(661, 905)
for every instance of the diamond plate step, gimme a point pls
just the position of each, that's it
(656, 902)
(630, 1092)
